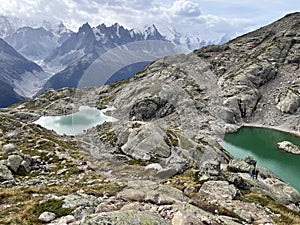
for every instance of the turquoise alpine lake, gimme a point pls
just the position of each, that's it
(261, 143)
(76, 123)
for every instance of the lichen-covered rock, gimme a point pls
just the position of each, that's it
(217, 190)
(25, 166)
(282, 192)
(239, 165)
(5, 173)
(80, 199)
(181, 218)
(125, 218)
(13, 135)
(150, 191)
(238, 181)
(167, 172)
(14, 162)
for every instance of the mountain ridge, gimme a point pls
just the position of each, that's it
(89, 44)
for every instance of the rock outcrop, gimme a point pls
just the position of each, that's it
(289, 147)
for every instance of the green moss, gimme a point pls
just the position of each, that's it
(51, 205)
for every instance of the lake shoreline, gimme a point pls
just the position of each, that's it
(261, 142)
(277, 128)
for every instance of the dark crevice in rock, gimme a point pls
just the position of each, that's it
(151, 108)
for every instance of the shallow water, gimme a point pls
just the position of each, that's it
(261, 143)
(75, 123)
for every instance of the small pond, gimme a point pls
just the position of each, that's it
(261, 143)
(87, 117)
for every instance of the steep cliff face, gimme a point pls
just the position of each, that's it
(162, 156)
(258, 73)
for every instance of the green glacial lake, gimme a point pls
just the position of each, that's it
(87, 117)
(261, 143)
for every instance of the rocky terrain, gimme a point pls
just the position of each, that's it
(161, 162)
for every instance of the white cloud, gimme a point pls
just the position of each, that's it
(195, 16)
(185, 8)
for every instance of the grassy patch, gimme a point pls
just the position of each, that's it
(288, 216)
(187, 178)
(51, 205)
(107, 134)
(24, 205)
(6, 123)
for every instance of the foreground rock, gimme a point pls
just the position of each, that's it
(124, 217)
(47, 217)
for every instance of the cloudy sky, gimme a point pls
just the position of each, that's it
(230, 17)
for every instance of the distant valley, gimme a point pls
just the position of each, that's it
(62, 57)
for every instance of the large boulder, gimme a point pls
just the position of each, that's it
(289, 102)
(14, 162)
(210, 170)
(239, 165)
(5, 173)
(145, 142)
(218, 190)
(282, 192)
(150, 191)
(80, 199)
(8, 148)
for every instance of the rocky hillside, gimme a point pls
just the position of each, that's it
(161, 162)
(258, 74)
